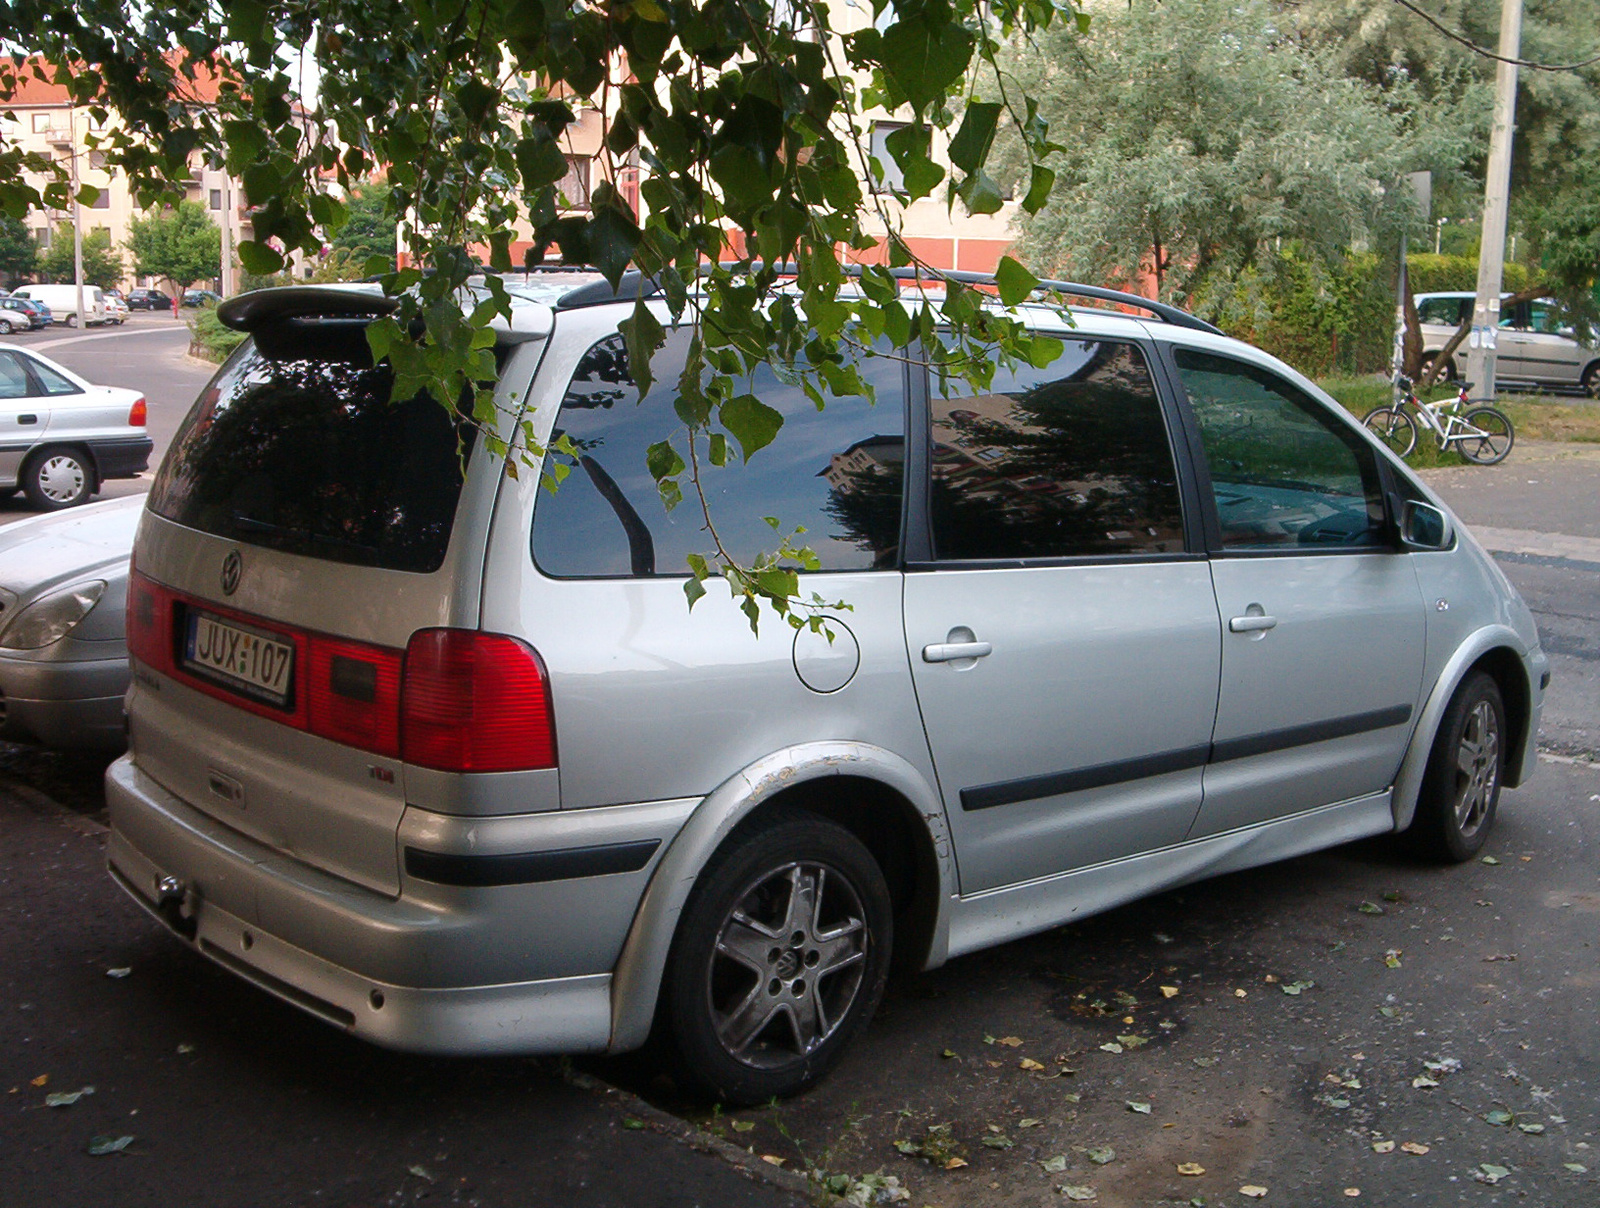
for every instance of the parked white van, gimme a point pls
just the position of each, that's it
(63, 302)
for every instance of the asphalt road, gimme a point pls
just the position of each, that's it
(147, 353)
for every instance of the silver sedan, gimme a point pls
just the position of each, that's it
(63, 654)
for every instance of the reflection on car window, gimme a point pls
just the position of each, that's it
(54, 383)
(837, 472)
(13, 379)
(1283, 473)
(1069, 460)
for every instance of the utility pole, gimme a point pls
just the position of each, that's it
(1496, 194)
(225, 279)
(77, 214)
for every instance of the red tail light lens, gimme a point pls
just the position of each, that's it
(354, 692)
(149, 623)
(475, 702)
(138, 414)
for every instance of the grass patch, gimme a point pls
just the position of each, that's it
(1534, 416)
(209, 338)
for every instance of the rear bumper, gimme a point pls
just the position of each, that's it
(425, 971)
(122, 458)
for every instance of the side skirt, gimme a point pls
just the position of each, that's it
(997, 915)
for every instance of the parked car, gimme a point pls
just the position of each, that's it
(63, 596)
(23, 314)
(63, 301)
(445, 759)
(61, 436)
(1535, 345)
(200, 297)
(148, 299)
(116, 310)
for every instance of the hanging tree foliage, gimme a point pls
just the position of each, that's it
(743, 115)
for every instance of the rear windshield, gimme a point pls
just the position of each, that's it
(299, 449)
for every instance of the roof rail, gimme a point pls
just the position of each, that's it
(629, 288)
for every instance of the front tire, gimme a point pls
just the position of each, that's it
(5, 326)
(1496, 440)
(1591, 380)
(57, 478)
(1394, 428)
(780, 960)
(1461, 787)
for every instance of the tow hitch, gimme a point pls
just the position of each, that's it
(172, 900)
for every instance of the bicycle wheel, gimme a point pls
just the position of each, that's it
(1394, 428)
(1489, 438)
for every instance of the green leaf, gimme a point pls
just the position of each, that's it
(258, 258)
(751, 422)
(925, 59)
(1015, 282)
(99, 1146)
(1039, 189)
(719, 449)
(663, 461)
(612, 237)
(980, 194)
(970, 147)
(641, 336)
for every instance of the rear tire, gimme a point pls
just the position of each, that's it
(1449, 373)
(1492, 447)
(1591, 381)
(1461, 787)
(780, 960)
(5, 326)
(72, 320)
(1394, 428)
(56, 478)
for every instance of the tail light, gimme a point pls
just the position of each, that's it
(475, 702)
(455, 699)
(139, 413)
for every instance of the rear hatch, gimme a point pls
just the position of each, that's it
(300, 530)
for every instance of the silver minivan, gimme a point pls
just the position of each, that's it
(445, 759)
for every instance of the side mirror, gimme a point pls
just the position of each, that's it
(1424, 527)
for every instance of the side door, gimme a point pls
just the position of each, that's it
(1060, 624)
(24, 414)
(1322, 616)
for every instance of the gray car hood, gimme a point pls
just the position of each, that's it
(82, 542)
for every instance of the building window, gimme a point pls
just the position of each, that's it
(41, 123)
(97, 159)
(102, 201)
(893, 179)
(216, 199)
(42, 237)
(574, 186)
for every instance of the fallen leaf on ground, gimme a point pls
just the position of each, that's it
(100, 1146)
(186, 1048)
(772, 1159)
(1191, 1168)
(1011, 1042)
(1028, 1063)
(1142, 1108)
(1353, 1192)
(119, 973)
(1490, 1173)
(1251, 1190)
(743, 1125)
(997, 1141)
(1499, 956)
(1133, 1042)
(1055, 1165)
(632, 1123)
(1111, 1047)
(1270, 979)
(1415, 1147)
(1576, 1167)
(39, 1081)
(1029, 1122)
(1294, 988)
(66, 1098)
(948, 1053)
(1533, 1130)
(1423, 1082)
(423, 1173)
(1169, 991)
(1078, 1193)
(1392, 958)
(1393, 895)
(1490, 860)
(1448, 1065)
(1240, 994)
(1370, 908)
(1205, 1062)
(954, 1163)
(1161, 937)
(1101, 1154)
(1383, 1147)
(1498, 1116)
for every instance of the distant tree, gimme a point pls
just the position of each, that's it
(18, 253)
(180, 245)
(369, 231)
(102, 264)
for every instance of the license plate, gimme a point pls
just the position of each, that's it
(250, 661)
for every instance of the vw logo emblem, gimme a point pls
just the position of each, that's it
(232, 567)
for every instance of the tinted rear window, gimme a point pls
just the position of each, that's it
(302, 451)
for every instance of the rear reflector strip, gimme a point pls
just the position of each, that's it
(527, 868)
(456, 700)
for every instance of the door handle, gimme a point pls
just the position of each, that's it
(947, 652)
(1252, 624)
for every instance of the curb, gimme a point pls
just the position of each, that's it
(658, 1121)
(41, 803)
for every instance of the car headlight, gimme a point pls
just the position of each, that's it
(51, 617)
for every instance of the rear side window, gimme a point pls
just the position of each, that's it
(13, 377)
(302, 451)
(54, 383)
(1071, 460)
(835, 472)
(1283, 471)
